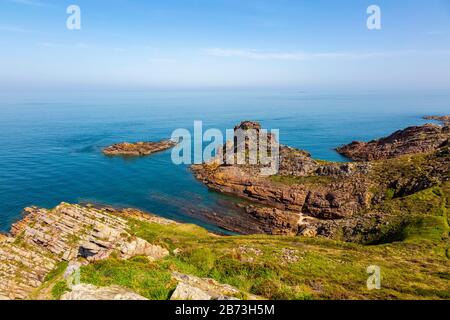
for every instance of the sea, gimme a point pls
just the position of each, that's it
(51, 142)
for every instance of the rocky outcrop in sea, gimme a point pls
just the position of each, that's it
(412, 140)
(138, 148)
(318, 198)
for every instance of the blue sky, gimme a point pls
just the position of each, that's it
(310, 45)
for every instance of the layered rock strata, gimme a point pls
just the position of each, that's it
(412, 140)
(44, 238)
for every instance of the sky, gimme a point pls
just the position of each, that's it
(303, 44)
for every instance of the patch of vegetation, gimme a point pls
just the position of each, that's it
(409, 174)
(148, 279)
(311, 180)
(389, 194)
(59, 289)
(59, 270)
(419, 217)
(426, 202)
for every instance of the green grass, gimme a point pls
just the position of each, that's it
(311, 180)
(415, 268)
(59, 289)
(150, 280)
(59, 270)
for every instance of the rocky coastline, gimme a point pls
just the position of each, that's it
(74, 236)
(412, 140)
(337, 200)
(398, 196)
(443, 119)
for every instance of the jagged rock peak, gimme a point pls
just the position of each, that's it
(248, 125)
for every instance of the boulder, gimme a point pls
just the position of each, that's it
(195, 288)
(187, 292)
(90, 292)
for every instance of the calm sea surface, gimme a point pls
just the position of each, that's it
(50, 144)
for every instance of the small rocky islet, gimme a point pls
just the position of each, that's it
(389, 207)
(138, 149)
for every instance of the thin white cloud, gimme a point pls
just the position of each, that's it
(16, 29)
(435, 33)
(302, 56)
(79, 45)
(162, 60)
(30, 3)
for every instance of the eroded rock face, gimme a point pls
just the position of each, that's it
(90, 292)
(139, 148)
(276, 221)
(343, 191)
(411, 140)
(296, 163)
(46, 237)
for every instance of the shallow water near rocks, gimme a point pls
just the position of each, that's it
(51, 143)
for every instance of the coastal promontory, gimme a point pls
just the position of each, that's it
(367, 201)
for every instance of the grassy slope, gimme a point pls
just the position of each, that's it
(417, 267)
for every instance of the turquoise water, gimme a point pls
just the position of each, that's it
(51, 143)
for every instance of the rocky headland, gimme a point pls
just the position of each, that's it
(138, 149)
(412, 140)
(443, 119)
(345, 201)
